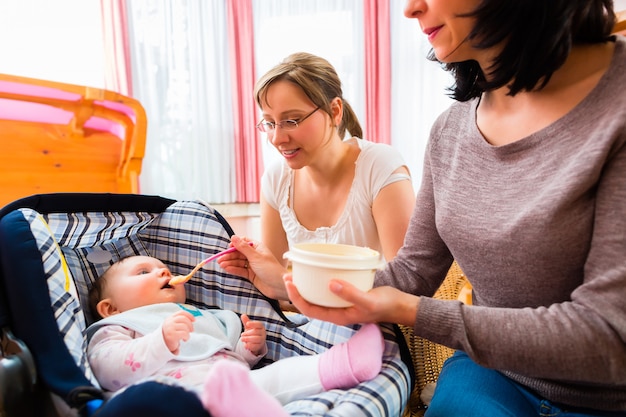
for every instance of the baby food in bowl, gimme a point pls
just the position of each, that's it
(315, 264)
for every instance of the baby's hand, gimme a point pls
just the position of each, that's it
(177, 327)
(253, 337)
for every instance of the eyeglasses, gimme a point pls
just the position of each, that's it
(290, 124)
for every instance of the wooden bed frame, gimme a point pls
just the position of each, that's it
(59, 137)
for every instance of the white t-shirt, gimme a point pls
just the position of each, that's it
(374, 170)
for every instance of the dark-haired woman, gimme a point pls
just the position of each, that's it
(525, 186)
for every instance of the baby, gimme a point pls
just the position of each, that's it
(147, 332)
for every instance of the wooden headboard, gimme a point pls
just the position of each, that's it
(620, 25)
(58, 137)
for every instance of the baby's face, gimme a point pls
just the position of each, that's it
(140, 281)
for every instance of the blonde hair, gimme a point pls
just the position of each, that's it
(319, 81)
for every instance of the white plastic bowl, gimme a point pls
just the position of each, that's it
(315, 264)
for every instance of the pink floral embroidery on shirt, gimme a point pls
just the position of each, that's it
(178, 374)
(132, 363)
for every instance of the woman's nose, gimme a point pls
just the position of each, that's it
(413, 8)
(278, 136)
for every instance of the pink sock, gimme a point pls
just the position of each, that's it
(359, 359)
(229, 392)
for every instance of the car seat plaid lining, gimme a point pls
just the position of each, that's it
(181, 236)
(63, 294)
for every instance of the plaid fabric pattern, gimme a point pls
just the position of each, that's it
(182, 236)
(63, 292)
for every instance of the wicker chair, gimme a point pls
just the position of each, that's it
(428, 357)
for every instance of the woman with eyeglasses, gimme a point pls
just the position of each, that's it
(525, 186)
(326, 188)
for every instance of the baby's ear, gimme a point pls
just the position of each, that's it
(106, 308)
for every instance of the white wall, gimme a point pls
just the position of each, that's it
(243, 218)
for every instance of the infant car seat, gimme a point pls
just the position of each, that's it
(52, 248)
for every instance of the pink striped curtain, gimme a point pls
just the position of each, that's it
(249, 159)
(116, 46)
(377, 71)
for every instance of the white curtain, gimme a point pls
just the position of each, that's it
(181, 75)
(418, 91)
